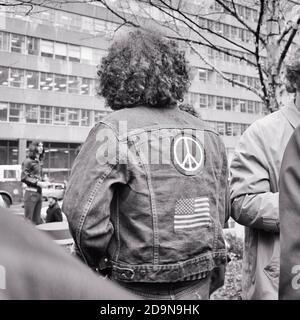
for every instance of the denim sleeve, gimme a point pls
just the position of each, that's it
(253, 203)
(223, 194)
(95, 175)
(26, 176)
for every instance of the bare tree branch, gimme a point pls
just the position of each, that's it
(243, 85)
(288, 44)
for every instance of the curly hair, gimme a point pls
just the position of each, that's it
(189, 109)
(293, 72)
(143, 69)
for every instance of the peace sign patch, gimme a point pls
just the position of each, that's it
(187, 154)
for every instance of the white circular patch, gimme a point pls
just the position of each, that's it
(188, 155)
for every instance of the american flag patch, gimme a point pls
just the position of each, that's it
(192, 213)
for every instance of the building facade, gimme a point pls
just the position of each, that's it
(48, 82)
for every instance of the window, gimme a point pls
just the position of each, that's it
(46, 82)
(243, 106)
(243, 127)
(97, 56)
(255, 15)
(3, 76)
(60, 51)
(73, 117)
(60, 83)
(100, 27)
(241, 34)
(73, 84)
(4, 41)
(221, 128)
(219, 79)
(76, 21)
(220, 103)
(33, 46)
(98, 116)
(203, 101)
(85, 87)
(17, 43)
(210, 53)
(3, 111)
(235, 77)
(47, 48)
(32, 78)
(211, 102)
(45, 114)
(86, 55)
(250, 107)
(226, 30)
(87, 24)
(74, 53)
(226, 57)
(235, 105)
(228, 129)
(59, 116)
(202, 75)
(85, 118)
(227, 104)
(218, 27)
(193, 98)
(250, 81)
(257, 107)
(242, 79)
(234, 32)
(31, 113)
(202, 22)
(248, 13)
(236, 129)
(17, 78)
(15, 112)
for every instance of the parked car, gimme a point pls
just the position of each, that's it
(11, 187)
(56, 190)
(2, 203)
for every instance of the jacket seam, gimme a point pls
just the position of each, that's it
(153, 210)
(87, 208)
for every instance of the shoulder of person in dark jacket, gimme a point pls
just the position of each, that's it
(36, 268)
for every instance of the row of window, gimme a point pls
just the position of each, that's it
(59, 18)
(13, 42)
(244, 12)
(29, 113)
(206, 101)
(228, 129)
(216, 55)
(20, 78)
(204, 75)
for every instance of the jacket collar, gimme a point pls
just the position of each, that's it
(292, 114)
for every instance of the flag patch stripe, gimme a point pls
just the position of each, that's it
(193, 225)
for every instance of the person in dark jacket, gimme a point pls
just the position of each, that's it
(289, 209)
(32, 177)
(33, 267)
(54, 211)
(148, 194)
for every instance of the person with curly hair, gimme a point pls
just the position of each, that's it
(255, 172)
(147, 196)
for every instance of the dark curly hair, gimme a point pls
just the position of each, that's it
(189, 109)
(293, 72)
(33, 150)
(143, 68)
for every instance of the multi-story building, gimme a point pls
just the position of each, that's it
(48, 82)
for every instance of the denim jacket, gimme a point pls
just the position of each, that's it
(146, 203)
